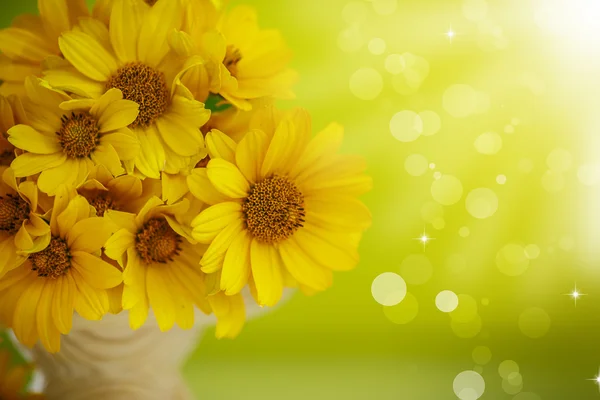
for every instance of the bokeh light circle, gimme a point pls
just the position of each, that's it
(446, 301)
(447, 190)
(377, 46)
(512, 260)
(395, 64)
(532, 251)
(406, 126)
(416, 164)
(534, 322)
(464, 232)
(416, 269)
(482, 355)
(501, 179)
(469, 385)
(460, 101)
(366, 83)
(404, 312)
(488, 143)
(482, 203)
(466, 310)
(350, 40)
(507, 367)
(388, 289)
(431, 122)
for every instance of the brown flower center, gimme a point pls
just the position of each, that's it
(151, 2)
(274, 209)
(52, 262)
(144, 85)
(79, 134)
(7, 157)
(203, 163)
(232, 58)
(157, 242)
(13, 211)
(102, 201)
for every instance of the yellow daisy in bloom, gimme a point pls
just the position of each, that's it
(160, 263)
(38, 298)
(244, 61)
(282, 204)
(22, 228)
(66, 138)
(134, 57)
(30, 39)
(13, 380)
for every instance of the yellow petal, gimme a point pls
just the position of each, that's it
(236, 265)
(90, 303)
(117, 245)
(138, 315)
(115, 299)
(87, 55)
(266, 273)
(220, 146)
(174, 187)
(65, 174)
(160, 297)
(159, 22)
(250, 154)
(64, 302)
(282, 151)
(98, 273)
(26, 138)
(332, 250)
(77, 210)
(212, 260)
(184, 139)
(10, 259)
(19, 43)
(101, 105)
(64, 195)
(303, 268)
(49, 334)
(319, 149)
(210, 222)
(23, 239)
(55, 14)
(231, 322)
(202, 189)
(124, 142)
(25, 317)
(125, 22)
(337, 213)
(119, 114)
(28, 164)
(90, 234)
(106, 155)
(227, 178)
(151, 158)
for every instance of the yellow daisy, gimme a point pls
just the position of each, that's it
(38, 298)
(22, 228)
(13, 380)
(30, 39)
(160, 265)
(66, 137)
(134, 57)
(282, 204)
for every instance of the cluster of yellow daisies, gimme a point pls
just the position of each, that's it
(144, 166)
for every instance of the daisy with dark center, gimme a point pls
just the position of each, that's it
(31, 39)
(284, 208)
(73, 137)
(37, 299)
(244, 61)
(160, 261)
(22, 228)
(137, 61)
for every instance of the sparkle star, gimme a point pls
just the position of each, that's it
(424, 239)
(575, 295)
(450, 34)
(596, 379)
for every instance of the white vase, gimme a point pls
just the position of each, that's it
(102, 360)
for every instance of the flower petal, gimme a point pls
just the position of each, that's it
(202, 189)
(26, 138)
(25, 316)
(124, 142)
(49, 334)
(236, 265)
(95, 271)
(106, 155)
(213, 258)
(90, 303)
(151, 158)
(125, 22)
(227, 178)
(64, 302)
(28, 164)
(303, 268)
(250, 154)
(87, 55)
(159, 22)
(210, 222)
(266, 273)
(160, 297)
(220, 145)
(90, 234)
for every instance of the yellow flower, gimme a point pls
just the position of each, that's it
(13, 380)
(134, 56)
(37, 299)
(283, 206)
(160, 263)
(22, 228)
(66, 137)
(30, 39)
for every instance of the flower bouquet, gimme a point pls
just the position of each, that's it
(146, 172)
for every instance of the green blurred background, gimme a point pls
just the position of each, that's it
(536, 70)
